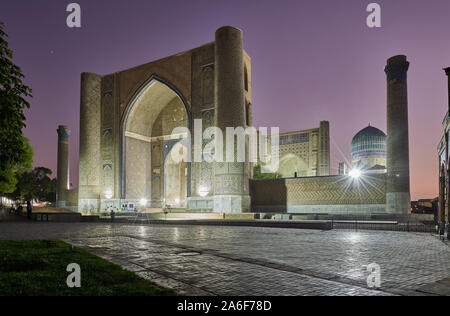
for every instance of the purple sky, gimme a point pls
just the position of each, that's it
(311, 61)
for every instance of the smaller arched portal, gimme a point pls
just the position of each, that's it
(175, 175)
(291, 165)
(149, 173)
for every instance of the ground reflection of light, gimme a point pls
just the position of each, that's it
(176, 234)
(354, 255)
(202, 232)
(355, 237)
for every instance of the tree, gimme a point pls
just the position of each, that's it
(35, 185)
(10, 172)
(15, 151)
(258, 175)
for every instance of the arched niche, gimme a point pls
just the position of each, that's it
(150, 117)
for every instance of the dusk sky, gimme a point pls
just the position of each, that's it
(311, 61)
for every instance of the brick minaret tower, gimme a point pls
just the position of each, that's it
(62, 176)
(231, 179)
(398, 199)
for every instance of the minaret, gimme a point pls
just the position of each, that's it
(89, 156)
(62, 176)
(231, 185)
(398, 199)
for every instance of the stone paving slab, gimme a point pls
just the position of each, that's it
(436, 289)
(220, 260)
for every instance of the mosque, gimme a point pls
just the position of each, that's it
(126, 119)
(369, 150)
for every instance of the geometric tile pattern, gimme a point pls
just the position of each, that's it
(329, 190)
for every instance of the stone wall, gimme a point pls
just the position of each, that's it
(329, 194)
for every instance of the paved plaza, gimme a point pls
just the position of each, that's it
(221, 260)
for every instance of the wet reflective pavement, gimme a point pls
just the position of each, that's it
(221, 260)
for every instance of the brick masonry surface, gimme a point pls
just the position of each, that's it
(328, 190)
(220, 260)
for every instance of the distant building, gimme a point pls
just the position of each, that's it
(422, 206)
(443, 151)
(342, 169)
(444, 174)
(305, 153)
(369, 150)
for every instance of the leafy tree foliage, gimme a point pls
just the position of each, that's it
(35, 185)
(15, 151)
(10, 172)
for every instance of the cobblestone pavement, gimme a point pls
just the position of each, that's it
(220, 260)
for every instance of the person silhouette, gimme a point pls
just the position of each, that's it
(29, 209)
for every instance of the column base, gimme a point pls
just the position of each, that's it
(231, 203)
(200, 203)
(398, 203)
(88, 206)
(61, 204)
(108, 205)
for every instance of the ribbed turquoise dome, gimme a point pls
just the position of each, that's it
(369, 142)
(366, 134)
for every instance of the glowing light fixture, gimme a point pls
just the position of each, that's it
(203, 191)
(143, 202)
(355, 173)
(108, 194)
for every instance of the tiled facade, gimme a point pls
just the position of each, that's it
(305, 153)
(444, 170)
(443, 152)
(328, 194)
(127, 119)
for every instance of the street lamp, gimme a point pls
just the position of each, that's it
(203, 191)
(355, 173)
(143, 202)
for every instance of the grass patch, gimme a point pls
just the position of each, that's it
(38, 267)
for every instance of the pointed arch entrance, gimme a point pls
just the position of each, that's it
(148, 173)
